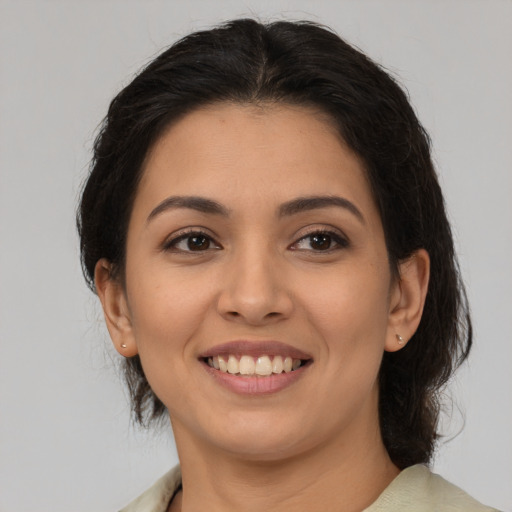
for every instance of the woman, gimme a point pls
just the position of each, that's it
(266, 233)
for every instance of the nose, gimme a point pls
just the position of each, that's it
(255, 290)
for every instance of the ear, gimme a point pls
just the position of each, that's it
(407, 299)
(115, 308)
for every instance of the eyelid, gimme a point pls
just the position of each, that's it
(338, 236)
(177, 236)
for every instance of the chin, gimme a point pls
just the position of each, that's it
(257, 439)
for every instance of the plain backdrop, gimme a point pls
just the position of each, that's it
(66, 441)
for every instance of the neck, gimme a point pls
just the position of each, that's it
(349, 475)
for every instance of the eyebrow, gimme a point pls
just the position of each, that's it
(302, 204)
(200, 204)
(293, 207)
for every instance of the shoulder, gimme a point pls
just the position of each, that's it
(418, 489)
(158, 496)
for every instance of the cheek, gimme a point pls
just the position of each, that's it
(349, 311)
(166, 311)
(345, 301)
(166, 316)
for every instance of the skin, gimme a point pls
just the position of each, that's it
(315, 445)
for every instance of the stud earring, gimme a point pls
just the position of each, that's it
(123, 345)
(400, 340)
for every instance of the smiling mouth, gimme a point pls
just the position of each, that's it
(249, 366)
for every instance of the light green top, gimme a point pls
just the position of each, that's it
(415, 489)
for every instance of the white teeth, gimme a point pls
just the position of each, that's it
(277, 364)
(223, 365)
(263, 366)
(246, 365)
(233, 366)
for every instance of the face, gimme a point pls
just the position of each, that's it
(255, 244)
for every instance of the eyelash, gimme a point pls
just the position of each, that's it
(339, 241)
(335, 238)
(172, 245)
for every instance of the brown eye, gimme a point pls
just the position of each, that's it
(198, 243)
(194, 241)
(320, 242)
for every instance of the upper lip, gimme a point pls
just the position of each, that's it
(255, 349)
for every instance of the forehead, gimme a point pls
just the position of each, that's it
(243, 153)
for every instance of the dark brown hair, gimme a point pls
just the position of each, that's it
(300, 63)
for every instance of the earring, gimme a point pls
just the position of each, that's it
(123, 345)
(400, 340)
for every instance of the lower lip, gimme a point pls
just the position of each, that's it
(256, 386)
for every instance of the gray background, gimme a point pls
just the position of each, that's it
(66, 443)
